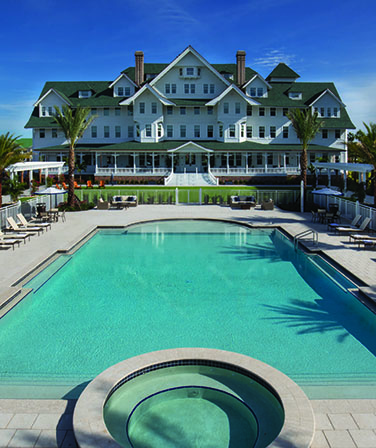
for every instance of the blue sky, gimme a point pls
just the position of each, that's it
(49, 40)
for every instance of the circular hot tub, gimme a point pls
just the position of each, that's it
(192, 397)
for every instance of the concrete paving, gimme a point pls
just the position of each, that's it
(48, 423)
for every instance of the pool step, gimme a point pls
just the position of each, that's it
(40, 279)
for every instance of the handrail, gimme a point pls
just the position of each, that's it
(212, 177)
(169, 178)
(301, 235)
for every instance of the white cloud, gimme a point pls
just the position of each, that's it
(273, 57)
(358, 95)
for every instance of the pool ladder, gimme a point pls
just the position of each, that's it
(304, 234)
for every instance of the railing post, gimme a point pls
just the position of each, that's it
(176, 196)
(200, 196)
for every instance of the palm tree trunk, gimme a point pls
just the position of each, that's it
(1, 191)
(71, 198)
(303, 167)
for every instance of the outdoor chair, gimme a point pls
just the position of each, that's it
(14, 227)
(352, 225)
(25, 223)
(267, 205)
(103, 205)
(89, 184)
(17, 236)
(76, 185)
(362, 227)
(9, 242)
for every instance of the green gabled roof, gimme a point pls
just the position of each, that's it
(166, 145)
(282, 71)
(149, 68)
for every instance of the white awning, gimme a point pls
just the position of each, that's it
(31, 166)
(357, 167)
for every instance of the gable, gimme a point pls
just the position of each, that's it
(257, 87)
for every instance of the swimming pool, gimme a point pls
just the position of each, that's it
(182, 284)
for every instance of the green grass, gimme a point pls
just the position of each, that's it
(209, 195)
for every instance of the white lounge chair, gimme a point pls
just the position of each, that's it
(353, 224)
(18, 236)
(361, 228)
(14, 227)
(25, 223)
(9, 242)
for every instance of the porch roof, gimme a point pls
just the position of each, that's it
(206, 144)
(31, 166)
(357, 167)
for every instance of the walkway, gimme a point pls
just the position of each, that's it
(190, 180)
(48, 423)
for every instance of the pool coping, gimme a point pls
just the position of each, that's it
(88, 422)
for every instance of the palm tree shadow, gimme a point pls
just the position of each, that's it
(250, 251)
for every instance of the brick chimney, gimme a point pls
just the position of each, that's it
(240, 67)
(139, 67)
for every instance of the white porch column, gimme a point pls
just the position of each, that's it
(345, 180)
(46, 176)
(134, 163)
(284, 162)
(246, 163)
(31, 178)
(96, 162)
(227, 162)
(329, 178)
(265, 162)
(172, 163)
(152, 161)
(208, 156)
(115, 162)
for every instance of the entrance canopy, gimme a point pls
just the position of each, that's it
(190, 147)
(357, 167)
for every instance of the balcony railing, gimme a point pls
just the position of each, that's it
(132, 172)
(255, 171)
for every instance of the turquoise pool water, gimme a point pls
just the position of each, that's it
(185, 284)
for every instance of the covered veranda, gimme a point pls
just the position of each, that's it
(361, 168)
(44, 168)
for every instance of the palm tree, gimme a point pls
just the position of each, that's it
(74, 123)
(363, 148)
(306, 125)
(10, 152)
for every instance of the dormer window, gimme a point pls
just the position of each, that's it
(190, 72)
(295, 95)
(123, 91)
(120, 91)
(84, 94)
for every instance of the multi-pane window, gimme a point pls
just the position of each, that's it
(196, 111)
(273, 111)
(237, 108)
(120, 91)
(148, 130)
(117, 111)
(262, 111)
(54, 133)
(186, 88)
(272, 131)
(285, 132)
(249, 131)
(249, 110)
(94, 132)
(130, 110)
(193, 88)
(106, 132)
(153, 108)
(180, 71)
(260, 91)
(183, 111)
(197, 131)
(252, 91)
(324, 133)
(285, 111)
(211, 88)
(138, 132)
(183, 130)
(220, 131)
(210, 131)
(329, 112)
(117, 132)
(337, 133)
(44, 111)
(127, 91)
(169, 110)
(261, 131)
(159, 129)
(210, 110)
(50, 111)
(225, 108)
(270, 159)
(42, 133)
(335, 112)
(206, 88)
(322, 111)
(130, 131)
(106, 111)
(242, 130)
(190, 71)
(170, 131)
(167, 88)
(173, 88)
(231, 130)
(142, 108)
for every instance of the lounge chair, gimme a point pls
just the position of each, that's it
(17, 236)
(89, 184)
(9, 242)
(76, 185)
(362, 227)
(353, 224)
(14, 227)
(359, 239)
(25, 223)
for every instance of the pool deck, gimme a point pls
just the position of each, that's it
(48, 423)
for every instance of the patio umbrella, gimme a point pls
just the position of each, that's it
(51, 191)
